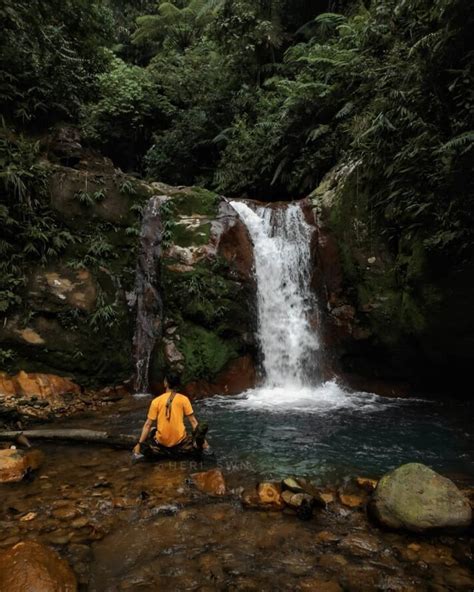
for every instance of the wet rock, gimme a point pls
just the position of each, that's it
(417, 498)
(65, 513)
(58, 537)
(15, 464)
(361, 544)
(296, 500)
(325, 536)
(400, 584)
(351, 500)
(429, 554)
(239, 375)
(31, 566)
(324, 498)
(211, 482)
(28, 517)
(359, 578)
(269, 494)
(459, 578)
(265, 496)
(80, 522)
(332, 561)
(292, 485)
(319, 585)
(365, 483)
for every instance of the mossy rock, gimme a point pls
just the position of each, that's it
(416, 498)
(205, 353)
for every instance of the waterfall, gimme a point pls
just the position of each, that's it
(285, 302)
(146, 296)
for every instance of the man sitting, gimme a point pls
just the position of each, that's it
(169, 437)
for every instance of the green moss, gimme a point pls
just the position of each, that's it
(185, 236)
(196, 200)
(205, 353)
(201, 295)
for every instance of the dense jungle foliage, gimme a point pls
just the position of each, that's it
(246, 97)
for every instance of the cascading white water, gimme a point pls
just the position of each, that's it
(286, 306)
(282, 240)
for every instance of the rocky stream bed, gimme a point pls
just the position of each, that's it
(139, 527)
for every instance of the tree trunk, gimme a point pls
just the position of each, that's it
(124, 441)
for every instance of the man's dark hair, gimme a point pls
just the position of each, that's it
(173, 381)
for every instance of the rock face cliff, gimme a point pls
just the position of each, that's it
(75, 309)
(206, 287)
(71, 316)
(395, 309)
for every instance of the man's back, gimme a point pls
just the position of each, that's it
(170, 415)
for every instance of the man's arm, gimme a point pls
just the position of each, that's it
(194, 423)
(192, 420)
(144, 435)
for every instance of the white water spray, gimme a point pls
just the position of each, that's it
(282, 252)
(286, 308)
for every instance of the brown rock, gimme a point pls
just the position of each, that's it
(54, 289)
(351, 501)
(211, 482)
(65, 513)
(80, 522)
(360, 544)
(235, 246)
(28, 517)
(324, 536)
(32, 567)
(295, 500)
(326, 497)
(239, 375)
(14, 464)
(365, 483)
(319, 585)
(250, 499)
(333, 561)
(360, 578)
(269, 494)
(43, 385)
(7, 386)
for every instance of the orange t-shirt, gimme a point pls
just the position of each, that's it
(170, 431)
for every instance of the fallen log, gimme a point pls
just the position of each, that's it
(121, 441)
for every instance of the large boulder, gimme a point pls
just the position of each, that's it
(32, 567)
(417, 498)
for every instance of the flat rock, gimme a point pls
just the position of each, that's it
(211, 482)
(311, 584)
(351, 500)
(325, 536)
(32, 567)
(360, 544)
(417, 498)
(296, 500)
